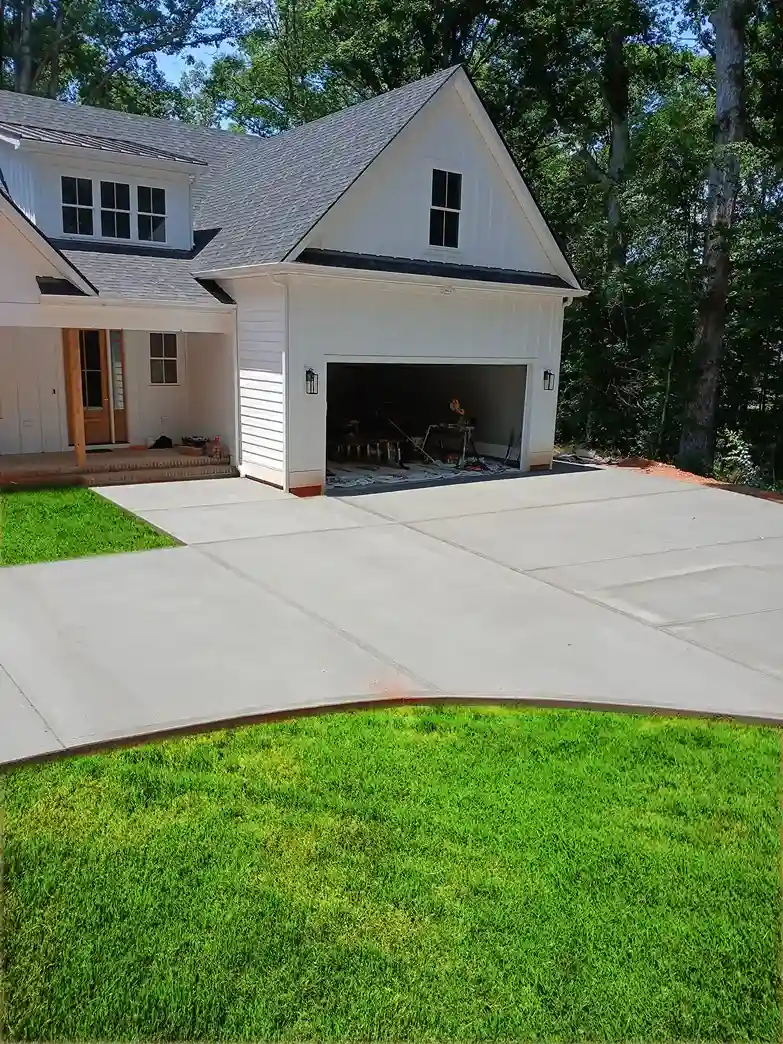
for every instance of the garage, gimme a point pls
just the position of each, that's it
(391, 424)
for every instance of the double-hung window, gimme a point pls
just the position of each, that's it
(152, 214)
(445, 209)
(163, 358)
(115, 210)
(77, 206)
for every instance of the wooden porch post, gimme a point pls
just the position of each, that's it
(73, 377)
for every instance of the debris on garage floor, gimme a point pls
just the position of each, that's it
(342, 475)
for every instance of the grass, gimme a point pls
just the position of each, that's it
(425, 874)
(49, 524)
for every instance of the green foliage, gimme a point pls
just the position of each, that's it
(734, 461)
(423, 875)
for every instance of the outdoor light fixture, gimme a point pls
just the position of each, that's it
(311, 381)
(549, 380)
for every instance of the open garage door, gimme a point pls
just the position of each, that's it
(400, 423)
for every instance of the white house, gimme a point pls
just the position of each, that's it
(158, 278)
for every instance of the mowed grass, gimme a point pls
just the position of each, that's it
(412, 875)
(49, 524)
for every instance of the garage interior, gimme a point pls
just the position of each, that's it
(420, 423)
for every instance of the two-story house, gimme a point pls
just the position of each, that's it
(163, 279)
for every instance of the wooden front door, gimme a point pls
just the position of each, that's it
(93, 361)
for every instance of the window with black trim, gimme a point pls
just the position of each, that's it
(151, 214)
(77, 206)
(445, 209)
(163, 358)
(115, 210)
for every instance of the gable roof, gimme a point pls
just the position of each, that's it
(258, 197)
(261, 194)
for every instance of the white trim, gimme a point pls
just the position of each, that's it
(298, 268)
(89, 313)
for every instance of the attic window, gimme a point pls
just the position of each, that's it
(77, 206)
(152, 214)
(445, 209)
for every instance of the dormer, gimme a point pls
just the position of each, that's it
(88, 189)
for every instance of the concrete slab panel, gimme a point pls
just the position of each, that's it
(593, 531)
(118, 646)
(21, 726)
(198, 525)
(152, 496)
(680, 586)
(468, 625)
(755, 640)
(532, 490)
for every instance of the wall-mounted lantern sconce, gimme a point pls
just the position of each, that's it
(311, 381)
(549, 380)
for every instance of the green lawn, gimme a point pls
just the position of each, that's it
(412, 875)
(44, 525)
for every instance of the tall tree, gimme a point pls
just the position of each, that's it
(729, 20)
(87, 49)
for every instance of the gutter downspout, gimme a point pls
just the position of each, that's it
(286, 375)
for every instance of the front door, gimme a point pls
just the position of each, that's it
(95, 387)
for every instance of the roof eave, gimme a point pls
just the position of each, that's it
(299, 268)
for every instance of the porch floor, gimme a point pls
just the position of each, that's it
(108, 468)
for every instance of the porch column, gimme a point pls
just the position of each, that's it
(73, 377)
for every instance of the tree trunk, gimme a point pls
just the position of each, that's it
(617, 100)
(24, 59)
(697, 441)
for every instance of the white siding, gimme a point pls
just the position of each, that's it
(341, 320)
(33, 417)
(155, 409)
(212, 389)
(387, 210)
(261, 343)
(50, 168)
(20, 263)
(19, 176)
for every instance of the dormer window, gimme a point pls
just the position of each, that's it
(77, 206)
(152, 214)
(445, 209)
(115, 210)
(126, 210)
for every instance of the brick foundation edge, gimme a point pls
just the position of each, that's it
(307, 491)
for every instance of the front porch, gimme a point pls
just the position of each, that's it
(109, 467)
(85, 406)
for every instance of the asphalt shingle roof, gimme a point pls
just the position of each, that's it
(261, 194)
(140, 276)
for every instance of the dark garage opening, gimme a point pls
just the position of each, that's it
(380, 414)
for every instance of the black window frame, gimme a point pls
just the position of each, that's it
(164, 359)
(112, 211)
(151, 214)
(445, 208)
(78, 209)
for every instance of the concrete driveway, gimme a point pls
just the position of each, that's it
(598, 588)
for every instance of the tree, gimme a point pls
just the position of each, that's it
(99, 51)
(697, 443)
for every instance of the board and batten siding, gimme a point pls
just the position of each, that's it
(364, 320)
(261, 341)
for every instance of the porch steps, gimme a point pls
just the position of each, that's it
(120, 478)
(117, 467)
